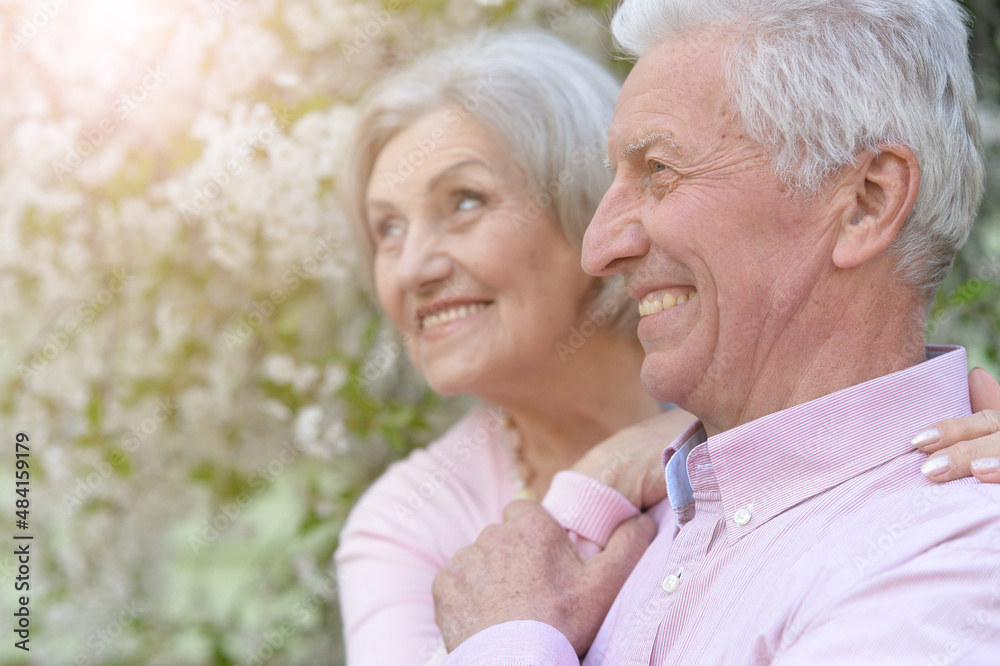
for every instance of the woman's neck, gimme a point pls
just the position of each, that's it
(595, 392)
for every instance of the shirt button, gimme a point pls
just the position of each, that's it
(671, 583)
(742, 516)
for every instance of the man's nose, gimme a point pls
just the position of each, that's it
(615, 233)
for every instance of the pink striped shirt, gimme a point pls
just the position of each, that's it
(805, 537)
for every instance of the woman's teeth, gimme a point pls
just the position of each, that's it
(451, 314)
(653, 303)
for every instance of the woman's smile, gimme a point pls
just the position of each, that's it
(451, 317)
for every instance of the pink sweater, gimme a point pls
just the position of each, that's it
(419, 513)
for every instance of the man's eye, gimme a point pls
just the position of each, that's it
(657, 167)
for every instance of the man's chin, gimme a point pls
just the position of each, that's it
(662, 377)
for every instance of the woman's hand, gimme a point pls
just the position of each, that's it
(630, 461)
(970, 445)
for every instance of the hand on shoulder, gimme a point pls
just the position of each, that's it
(968, 446)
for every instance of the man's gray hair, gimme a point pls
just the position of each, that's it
(549, 104)
(816, 81)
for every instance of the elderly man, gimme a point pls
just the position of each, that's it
(798, 175)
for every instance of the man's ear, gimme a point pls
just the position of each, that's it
(885, 190)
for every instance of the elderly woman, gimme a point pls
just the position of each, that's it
(474, 175)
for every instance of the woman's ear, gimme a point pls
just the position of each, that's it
(887, 186)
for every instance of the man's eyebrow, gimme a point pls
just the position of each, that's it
(637, 146)
(644, 141)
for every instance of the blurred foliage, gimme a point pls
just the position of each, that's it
(967, 308)
(199, 435)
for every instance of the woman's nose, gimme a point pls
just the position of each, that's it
(423, 262)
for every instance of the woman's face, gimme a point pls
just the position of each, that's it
(468, 263)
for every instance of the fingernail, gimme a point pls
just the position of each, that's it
(936, 466)
(926, 438)
(986, 465)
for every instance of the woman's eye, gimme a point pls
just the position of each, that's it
(388, 228)
(468, 201)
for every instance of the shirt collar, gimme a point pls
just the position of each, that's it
(769, 465)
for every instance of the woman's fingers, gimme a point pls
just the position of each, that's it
(947, 433)
(987, 469)
(968, 446)
(972, 457)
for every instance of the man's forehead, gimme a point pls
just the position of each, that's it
(663, 99)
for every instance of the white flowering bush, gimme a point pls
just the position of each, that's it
(184, 333)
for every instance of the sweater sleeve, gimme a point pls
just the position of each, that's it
(588, 509)
(385, 597)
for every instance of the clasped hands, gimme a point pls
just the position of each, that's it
(529, 569)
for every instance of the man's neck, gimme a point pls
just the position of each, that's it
(824, 350)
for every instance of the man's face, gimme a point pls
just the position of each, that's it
(696, 214)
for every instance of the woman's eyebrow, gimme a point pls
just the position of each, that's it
(436, 180)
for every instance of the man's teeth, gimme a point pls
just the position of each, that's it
(653, 304)
(451, 314)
